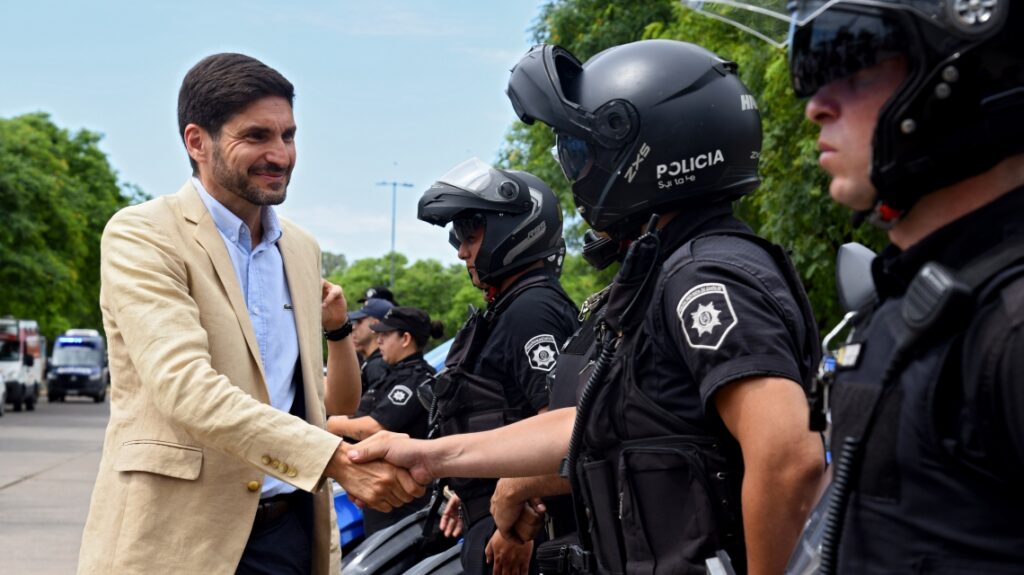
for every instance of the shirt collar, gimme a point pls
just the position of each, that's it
(953, 245)
(231, 226)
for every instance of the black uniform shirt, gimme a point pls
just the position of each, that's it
(524, 342)
(393, 402)
(724, 311)
(373, 370)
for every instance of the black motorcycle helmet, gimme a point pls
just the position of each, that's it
(960, 110)
(520, 215)
(642, 127)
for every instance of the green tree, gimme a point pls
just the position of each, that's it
(332, 264)
(445, 292)
(57, 191)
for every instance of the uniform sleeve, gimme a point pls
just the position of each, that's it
(539, 328)
(396, 405)
(731, 320)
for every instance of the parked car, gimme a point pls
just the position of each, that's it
(78, 366)
(22, 361)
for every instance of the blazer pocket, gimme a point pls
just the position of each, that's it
(160, 457)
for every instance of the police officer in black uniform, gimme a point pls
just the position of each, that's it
(921, 109)
(709, 335)
(691, 434)
(507, 227)
(391, 403)
(373, 368)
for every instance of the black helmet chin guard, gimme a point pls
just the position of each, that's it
(519, 215)
(642, 127)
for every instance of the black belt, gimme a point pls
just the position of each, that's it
(273, 508)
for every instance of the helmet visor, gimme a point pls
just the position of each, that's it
(573, 156)
(839, 43)
(464, 228)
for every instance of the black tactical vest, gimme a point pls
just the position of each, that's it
(925, 495)
(466, 402)
(666, 496)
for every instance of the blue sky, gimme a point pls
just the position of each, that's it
(386, 90)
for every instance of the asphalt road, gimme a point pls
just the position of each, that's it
(48, 463)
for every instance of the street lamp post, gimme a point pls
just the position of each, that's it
(394, 196)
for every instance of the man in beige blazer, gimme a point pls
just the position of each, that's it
(213, 308)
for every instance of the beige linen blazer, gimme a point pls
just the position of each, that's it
(191, 435)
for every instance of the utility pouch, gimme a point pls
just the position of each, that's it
(601, 495)
(564, 556)
(668, 517)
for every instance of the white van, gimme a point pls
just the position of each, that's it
(22, 361)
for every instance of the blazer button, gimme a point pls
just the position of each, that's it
(265, 459)
(276, 464)
(292, 472)
(284, 468)
(253, 486)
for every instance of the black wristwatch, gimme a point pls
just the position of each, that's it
(340, 333)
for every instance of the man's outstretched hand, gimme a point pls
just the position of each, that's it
(377, 484)
(396, 449)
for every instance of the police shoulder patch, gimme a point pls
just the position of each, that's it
(706, 315)
(542, 352)
(400, 395)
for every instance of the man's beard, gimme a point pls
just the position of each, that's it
(237, 182)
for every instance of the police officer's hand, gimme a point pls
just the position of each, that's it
(451, 519)
(528, 523)
(508, 557)
(397, 449)
(334, 308)
(515, 518)
(378, 484)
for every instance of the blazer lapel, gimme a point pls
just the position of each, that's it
(209, 238)
(307, 315)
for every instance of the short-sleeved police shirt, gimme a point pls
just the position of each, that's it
(523, 344)
(724, 311)
(393, 403)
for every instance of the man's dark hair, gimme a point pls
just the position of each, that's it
(222, 85)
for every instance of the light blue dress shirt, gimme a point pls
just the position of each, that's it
(260, 272)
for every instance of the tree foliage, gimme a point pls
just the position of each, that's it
(791, 208)
(444, 292)
(57, 191)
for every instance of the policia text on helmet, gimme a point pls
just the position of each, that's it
(631, 154)
(657, 419)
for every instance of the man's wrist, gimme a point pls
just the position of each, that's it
(339, 333)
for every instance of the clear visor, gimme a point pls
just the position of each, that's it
(480, 179)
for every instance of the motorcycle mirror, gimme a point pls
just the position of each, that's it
(853, 276)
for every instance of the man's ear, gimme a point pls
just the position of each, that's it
(407, 339)
(198, 143)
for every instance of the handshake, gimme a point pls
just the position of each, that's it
(388, 470)
(385, 471)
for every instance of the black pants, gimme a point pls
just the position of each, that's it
(283, 546)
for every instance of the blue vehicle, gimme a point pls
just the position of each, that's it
(78, 366)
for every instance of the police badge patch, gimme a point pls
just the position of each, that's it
(706, 315)
(400, 395)
(542, 352)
